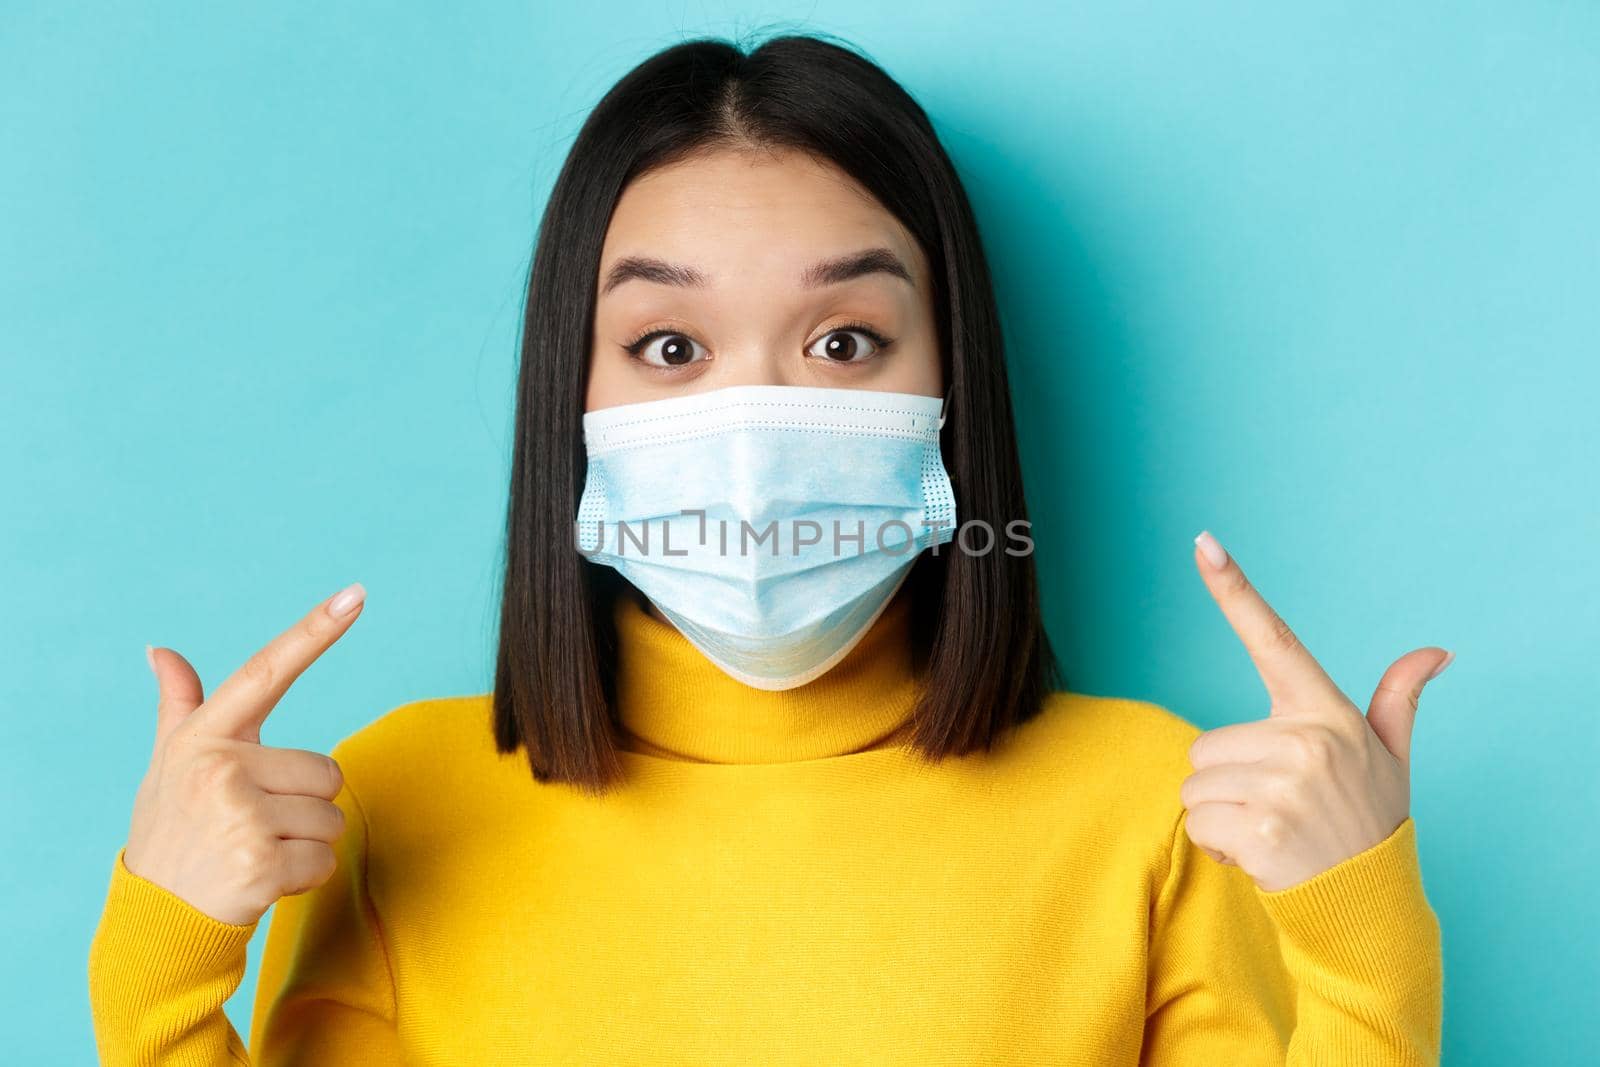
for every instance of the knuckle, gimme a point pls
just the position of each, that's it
(1281, 789)
(1411, 696)
(1280, 637)
(258, 670)
(316, 627)
(212, 769)
(1272, 829)
(254, 858)
(1234, 583)
(1312, 749)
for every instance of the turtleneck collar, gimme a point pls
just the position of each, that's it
(675, 703)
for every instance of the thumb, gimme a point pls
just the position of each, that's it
(179, 689)
(1393, 711)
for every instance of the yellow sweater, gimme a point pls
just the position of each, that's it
(775, 884)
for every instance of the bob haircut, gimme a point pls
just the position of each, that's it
(979, 644)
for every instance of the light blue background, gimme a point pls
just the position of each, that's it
(1321, 279)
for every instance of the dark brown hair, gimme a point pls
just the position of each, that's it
(979, 640)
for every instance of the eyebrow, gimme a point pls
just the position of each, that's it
(827, 272)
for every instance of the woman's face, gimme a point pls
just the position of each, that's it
(742, 268)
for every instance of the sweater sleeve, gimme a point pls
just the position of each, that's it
(160, 971)
(1345, 967)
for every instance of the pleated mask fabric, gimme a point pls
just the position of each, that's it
(770, 524)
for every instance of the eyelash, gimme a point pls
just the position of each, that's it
(636, 346)
(880, 341)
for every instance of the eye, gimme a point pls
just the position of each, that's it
(675, 349)
(853, 342)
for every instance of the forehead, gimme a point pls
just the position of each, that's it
(735, 213)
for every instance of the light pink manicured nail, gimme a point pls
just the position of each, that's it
(1211, 550)
(346, 600)
(1449, 658)
(150, 658)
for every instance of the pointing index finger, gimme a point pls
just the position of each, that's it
(1286, 666)
(238, 706)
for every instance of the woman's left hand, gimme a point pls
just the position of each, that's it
(1315, 782)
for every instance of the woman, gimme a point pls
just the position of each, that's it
(810, 803)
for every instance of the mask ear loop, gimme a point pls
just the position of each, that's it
(944, 407)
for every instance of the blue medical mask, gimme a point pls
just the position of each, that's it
(771, 524)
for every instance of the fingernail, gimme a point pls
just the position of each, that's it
(1211, 550)
(345, 601)
(150, 658)
(1449, 657)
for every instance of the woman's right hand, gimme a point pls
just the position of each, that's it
(221, 820)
